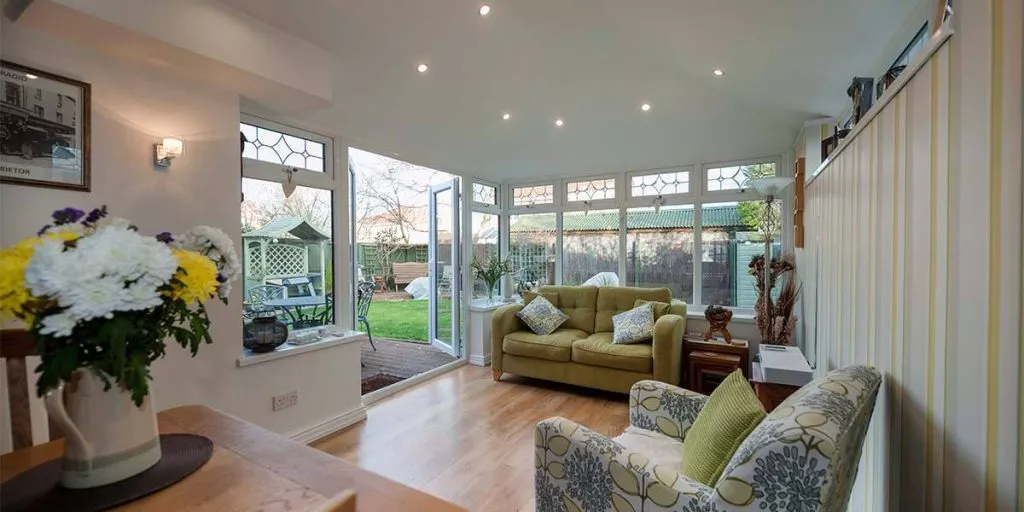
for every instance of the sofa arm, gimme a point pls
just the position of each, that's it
(664, 408)
(503, 322)
(678, 307)
(668, 348)
(580, 470)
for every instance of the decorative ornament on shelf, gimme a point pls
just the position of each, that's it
(264, 334)
(101, 300)
(718, 321)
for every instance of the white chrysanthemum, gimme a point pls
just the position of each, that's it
(95, 299)
(140, 296)
(51, 270)
(113, 269)
(60, 324)
(114, 222)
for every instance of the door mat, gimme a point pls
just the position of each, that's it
(378, 381)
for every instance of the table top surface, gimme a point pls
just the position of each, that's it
(303, 300)
(252, 469)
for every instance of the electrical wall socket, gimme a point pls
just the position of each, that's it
(286, 400)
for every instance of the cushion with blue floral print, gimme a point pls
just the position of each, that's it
(634, 326)
(541, 316)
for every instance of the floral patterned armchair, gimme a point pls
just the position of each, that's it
(803, 456)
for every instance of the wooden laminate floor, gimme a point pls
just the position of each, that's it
(468, 439)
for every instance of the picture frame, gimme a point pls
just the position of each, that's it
(45, 129)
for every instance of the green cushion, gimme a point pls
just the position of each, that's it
(598, 350)
(578, 302)
(556, 346)
(660, 308)
(730, 414)
(529, 296)
(612, 300)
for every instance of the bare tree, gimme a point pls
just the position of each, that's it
(392, 197)
(313, 206)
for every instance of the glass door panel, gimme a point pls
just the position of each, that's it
(443, 267)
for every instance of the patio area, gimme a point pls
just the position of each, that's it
(395, 361)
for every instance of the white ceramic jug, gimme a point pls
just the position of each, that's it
(108, 438)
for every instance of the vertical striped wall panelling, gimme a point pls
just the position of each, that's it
(913, 265)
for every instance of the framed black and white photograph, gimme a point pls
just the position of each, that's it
(44, 129)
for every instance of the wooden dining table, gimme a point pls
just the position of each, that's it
(252, 469)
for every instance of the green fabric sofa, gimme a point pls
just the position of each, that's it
(581, 351)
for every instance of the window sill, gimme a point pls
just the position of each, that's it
(737, 317)
(249, 358)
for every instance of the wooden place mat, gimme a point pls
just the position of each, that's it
(39, 488)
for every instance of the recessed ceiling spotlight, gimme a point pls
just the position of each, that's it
(506, 116)
(30, 76)
(485, 10)
(718, 72)
(422, 68)
(559, 122)
(645, 107)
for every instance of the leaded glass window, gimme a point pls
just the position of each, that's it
(590, 190)
(660, 184)
(534, 194)
(272, 146)
(736, 177)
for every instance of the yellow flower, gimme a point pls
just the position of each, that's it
(197, 275)
(14, 296)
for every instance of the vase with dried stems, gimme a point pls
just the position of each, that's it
(775, 319)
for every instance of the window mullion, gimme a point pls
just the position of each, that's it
(697, 253)
(558, 248)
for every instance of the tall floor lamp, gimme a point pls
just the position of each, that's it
(770, 221)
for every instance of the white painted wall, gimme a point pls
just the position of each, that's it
(133, 107)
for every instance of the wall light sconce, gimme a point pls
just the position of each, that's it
(171, 148)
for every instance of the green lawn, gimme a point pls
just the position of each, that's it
(399, 319)
(403, 319)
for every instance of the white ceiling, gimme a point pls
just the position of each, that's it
(591, 62)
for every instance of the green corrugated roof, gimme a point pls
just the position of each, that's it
(712, 217)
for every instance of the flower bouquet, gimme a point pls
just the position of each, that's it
(490, 271)
(101, 299)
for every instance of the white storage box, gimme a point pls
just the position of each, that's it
(783, 364)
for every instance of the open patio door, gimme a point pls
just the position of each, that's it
(443, 267)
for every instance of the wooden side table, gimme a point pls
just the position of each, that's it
(771, 394)
(738, 348)
(708, 369)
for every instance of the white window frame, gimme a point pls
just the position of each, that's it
(329, 180)
(738, 192)
(252, 168)
(675, 198)
(484, 207)
(697, 197)
(594, 204)
(554, 205)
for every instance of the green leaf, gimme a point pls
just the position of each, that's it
(559, 445)
(557, 469)
(621, 504)
(624, 478)
(668, 427)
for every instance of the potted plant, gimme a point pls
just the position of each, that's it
(101, 300)
(490, 271)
